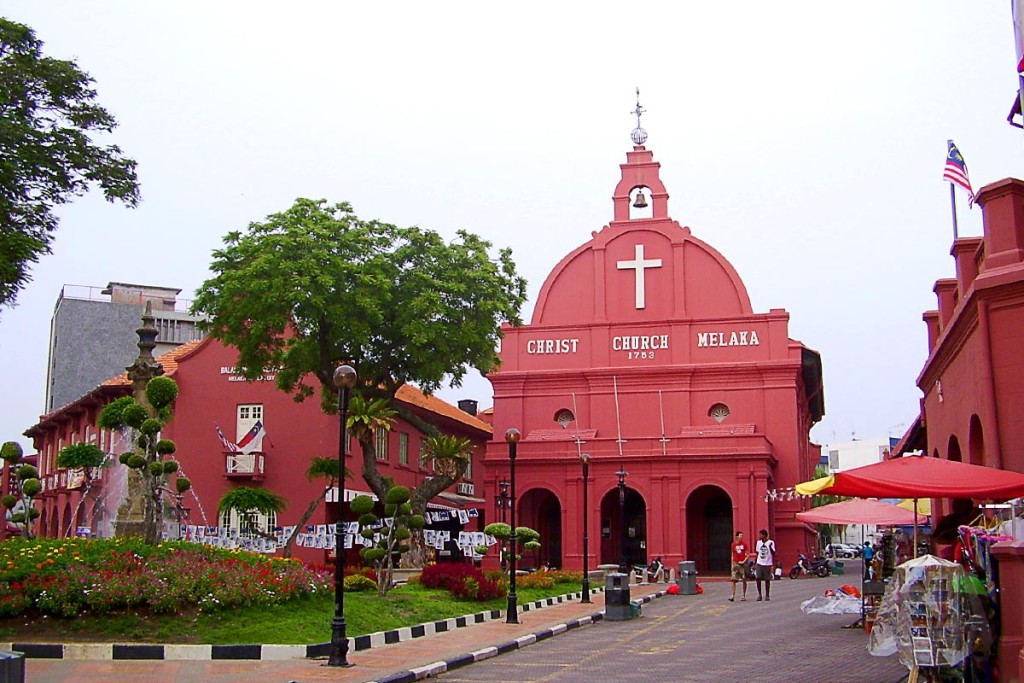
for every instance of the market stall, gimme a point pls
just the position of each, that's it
(864, 511)
(925, 477)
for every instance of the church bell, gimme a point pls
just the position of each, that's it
(641, 201)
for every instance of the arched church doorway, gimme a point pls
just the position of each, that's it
(709, 529)
(540, 510)
(623, 529)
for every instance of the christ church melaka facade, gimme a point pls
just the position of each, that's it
(643, 352)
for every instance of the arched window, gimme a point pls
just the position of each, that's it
(718, 412)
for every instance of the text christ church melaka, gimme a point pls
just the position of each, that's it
(643, 352)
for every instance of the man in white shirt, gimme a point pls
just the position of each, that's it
(764, 565)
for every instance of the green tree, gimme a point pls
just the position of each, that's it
(389, 536)
(149, 457)
(826, 532)
(48, 117)
(248, 503)
(315, 286)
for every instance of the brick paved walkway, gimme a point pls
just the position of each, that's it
(681, 638)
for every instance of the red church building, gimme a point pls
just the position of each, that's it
(644, 353)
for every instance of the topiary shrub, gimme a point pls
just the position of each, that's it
(182, 484)
(161, 392)
(134, 415)
(11, 451)
(150, 426)
(165, 447)
(112, 416)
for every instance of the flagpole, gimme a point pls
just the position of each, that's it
(952, 198)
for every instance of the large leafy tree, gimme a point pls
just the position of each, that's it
(315, 286)
(48, 116)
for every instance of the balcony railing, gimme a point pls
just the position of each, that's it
(244, 465)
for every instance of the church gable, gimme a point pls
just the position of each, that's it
(631, 272)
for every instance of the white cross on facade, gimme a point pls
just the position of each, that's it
(638, 264)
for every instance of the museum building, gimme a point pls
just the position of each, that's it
(643, 353)
(214, 412)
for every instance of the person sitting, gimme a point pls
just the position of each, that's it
(945, 534)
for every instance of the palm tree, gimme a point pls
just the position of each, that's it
(319, 468)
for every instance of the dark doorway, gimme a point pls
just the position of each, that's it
(618, 540)
(540, 510)
(709, 529)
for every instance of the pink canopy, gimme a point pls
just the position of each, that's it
(923, 477)
(860, 511)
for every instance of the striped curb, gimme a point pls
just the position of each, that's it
(435, 668)
(128, 651)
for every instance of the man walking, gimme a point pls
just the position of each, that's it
(740, 555)
(764, 564)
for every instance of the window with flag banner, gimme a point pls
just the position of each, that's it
(249, 428)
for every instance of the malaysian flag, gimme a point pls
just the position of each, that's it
(956, 171)
(228, 446)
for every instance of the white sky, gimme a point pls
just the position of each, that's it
(803, 140)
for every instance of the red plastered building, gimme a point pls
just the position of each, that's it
(212, 395)
(644, 353)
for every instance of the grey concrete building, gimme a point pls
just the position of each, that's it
(92, 334)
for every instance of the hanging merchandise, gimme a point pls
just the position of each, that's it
(932, 616)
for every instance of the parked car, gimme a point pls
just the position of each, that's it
(847, 550)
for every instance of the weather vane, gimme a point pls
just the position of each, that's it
(639, 135)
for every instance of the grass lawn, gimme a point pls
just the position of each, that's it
(302, 621)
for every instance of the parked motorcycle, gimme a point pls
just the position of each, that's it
(819, 566)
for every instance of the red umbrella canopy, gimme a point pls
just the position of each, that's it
(924, 477)
(860, 511)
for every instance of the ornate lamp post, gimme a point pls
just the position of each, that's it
(344, 380)
(622, 474)
(585, 459)
(512, 437)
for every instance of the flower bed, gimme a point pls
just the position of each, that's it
(66, 577)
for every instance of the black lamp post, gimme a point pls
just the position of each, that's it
(585, 459)
(502, 500)
(622, 519)
(344, 380)
(512, 437)
(502, 507)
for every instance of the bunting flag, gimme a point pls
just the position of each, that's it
(787, 493)
(956, 171)
(228, 446)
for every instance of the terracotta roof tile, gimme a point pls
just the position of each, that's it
(168, 360)
(413, 396)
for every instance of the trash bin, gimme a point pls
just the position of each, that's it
(616, 597)
(12, 666)
(838, 568)
(687, 580)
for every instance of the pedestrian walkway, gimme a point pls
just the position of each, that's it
(457, 650)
